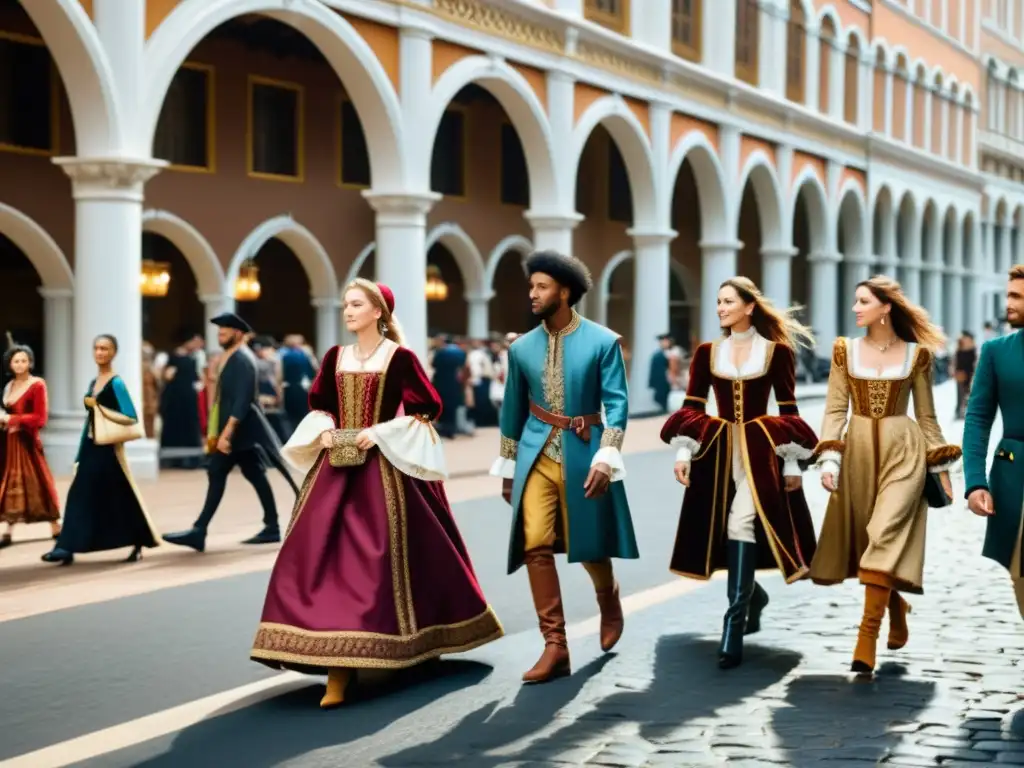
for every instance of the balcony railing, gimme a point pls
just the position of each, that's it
(1001, 144)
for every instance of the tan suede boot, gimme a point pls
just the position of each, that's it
(899, 632)
(547, 599)
(876, 599)
(337, 681)
(612, 620)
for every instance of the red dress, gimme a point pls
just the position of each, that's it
(373, 572)
(27, 492)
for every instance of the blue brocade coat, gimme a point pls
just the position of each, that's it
(573, 373)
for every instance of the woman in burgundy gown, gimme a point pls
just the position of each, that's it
(27, 492)
(373, 572)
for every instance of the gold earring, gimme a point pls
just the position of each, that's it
(883, 319)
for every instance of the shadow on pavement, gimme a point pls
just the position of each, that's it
(848, 717)
(600, 728)
(277, 730)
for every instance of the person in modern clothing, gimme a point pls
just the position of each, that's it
(964, 361)
(104, 508)
(297, 369)
(874, 528)
(237, 435)
(180, 436)
(27, 490)
(744, 506)
(658, 380)
(373, 573)
(561, 462)
(998, 495)
(449, 380)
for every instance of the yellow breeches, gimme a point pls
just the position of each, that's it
(545, 509)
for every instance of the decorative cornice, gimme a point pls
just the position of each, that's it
(400, 207)
(541, 220)
(109, 177)
(604, 58)
(645, 237)
(723, 247)
(501, 23)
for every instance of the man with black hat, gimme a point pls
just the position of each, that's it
(238, 435)
(561, 462)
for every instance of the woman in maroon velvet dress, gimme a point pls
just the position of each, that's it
(27, 492)
(373, 572)
(744, 508)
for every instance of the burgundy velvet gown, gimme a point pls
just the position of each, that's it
(373, 572)
(27, 491)
(783, 529)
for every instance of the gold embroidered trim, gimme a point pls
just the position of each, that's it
(307, 486)
(371, 650)
(613, 438)
(554, 383)
(509, 448)
(696, 399)
(396, 529)
(343, 452)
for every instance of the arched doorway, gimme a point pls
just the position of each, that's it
(510, 306)
(282, 306)
(883, 233)
(616, 290)
(908, 248)
(21, 311)
(856, 260)
(170, 320)
(687, 214)
(800, 280)
(931, 254)
(748, 260)
(953, 293)
(447, 314)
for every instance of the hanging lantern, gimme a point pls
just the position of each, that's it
(155, 279)
(247, 286)
(437, 289)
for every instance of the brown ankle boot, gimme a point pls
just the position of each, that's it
(876, 599)
(612, 620)
(899, 632)
(547, 599)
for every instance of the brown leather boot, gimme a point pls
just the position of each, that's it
(876, 599)
(612, 620)
(899, 632)
(547, 599)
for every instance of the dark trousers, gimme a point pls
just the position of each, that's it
(963, 392)
(251, 464)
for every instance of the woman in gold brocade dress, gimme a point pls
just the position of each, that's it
(874, 528)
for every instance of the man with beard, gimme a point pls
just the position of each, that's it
(237, 435)
(561, 463)
(999, 497)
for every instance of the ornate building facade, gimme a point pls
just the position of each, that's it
(261, 153)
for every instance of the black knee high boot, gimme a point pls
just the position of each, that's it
(742, 560)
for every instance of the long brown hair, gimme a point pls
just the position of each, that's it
(909, 321)
(389, 327)
(778, 325)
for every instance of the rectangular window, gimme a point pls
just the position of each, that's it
(448, 162)
(613, 14)
(686, 39)
(620, 196)
(184, 133)
(748, 24)
(28, 97)
(354, 156)
(275, 129)
(515, 179)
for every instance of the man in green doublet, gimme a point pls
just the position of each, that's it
(998, 495)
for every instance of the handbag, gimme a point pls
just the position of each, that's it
(934, 493)
(343, 451)
(112, 428)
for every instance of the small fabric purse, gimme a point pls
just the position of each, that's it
(112, 428)
(343, 452)
(934, 493)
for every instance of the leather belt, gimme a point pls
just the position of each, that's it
(580, 425)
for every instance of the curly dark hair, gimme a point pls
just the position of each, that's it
(12, 351)
(567, 271)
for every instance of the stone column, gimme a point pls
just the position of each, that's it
(777, 267)
(401, 258)
(824, 289)
(718, 264)
(651, 276)
(888, 264)
(328, 323)
(652, 27)
(478, 322)
(856, 269)
(720, 27)
(888, 102)
(927, 118)
(553, 232)
(931, 281)
(108, 262)
(215, 304)
(57, 367)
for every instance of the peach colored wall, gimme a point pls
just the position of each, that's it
(642, 112)
(684, 124)
(923, 44)
(750, 144)
(384, 42)
(156, 12)
(446, 54)
(802, 161)
(87, 6)
(850, 15)
(855, 175)
(1003, 51)
(537, 80)
(585, 95)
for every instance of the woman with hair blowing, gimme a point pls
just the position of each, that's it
(744, 508)
(874, 528)
(373, 572)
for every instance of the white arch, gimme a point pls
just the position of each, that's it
(323, 282)
(517, 244)
(40, 249)
(364, 77)
(909, 227)
(863, 45)
(73, 42)
(466, 255)
(818, 219)
(631, 139)
(829, 12)
(357, 265)
(710, 178)
(193, 246)
(524, 109)
(768, 194)
(604, 282)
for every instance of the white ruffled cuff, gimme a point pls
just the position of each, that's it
(613, 458)
(687, 448)
(829, 463)
(503, 468)
(412, 446)
(953, 467)
(303, 447)
(791, 455)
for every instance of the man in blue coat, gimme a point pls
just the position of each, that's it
(997, 386)
(561, 462)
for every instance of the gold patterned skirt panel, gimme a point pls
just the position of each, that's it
(879, 398)
(874, 527)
